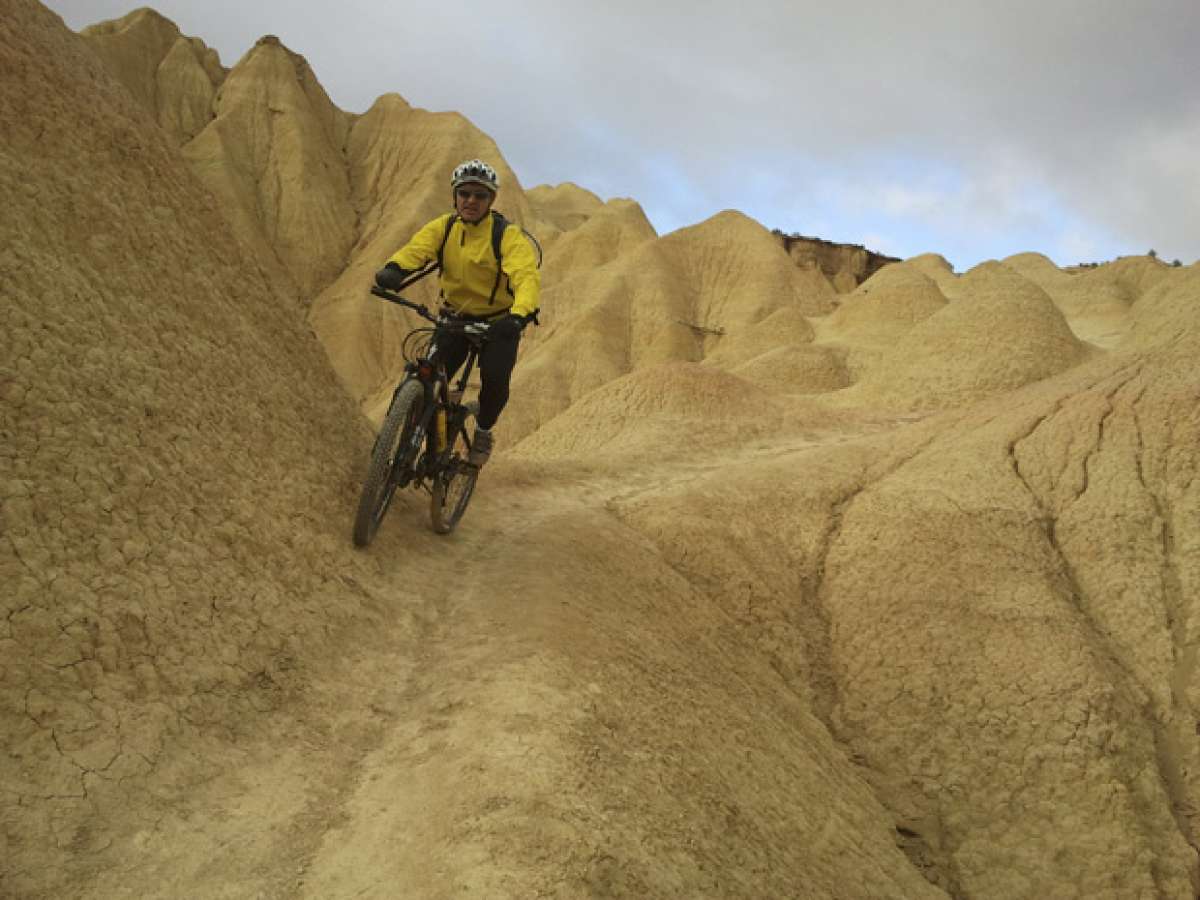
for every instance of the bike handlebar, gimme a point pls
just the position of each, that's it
(478, 328)
(419, 308)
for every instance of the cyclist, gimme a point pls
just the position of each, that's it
(476, 286)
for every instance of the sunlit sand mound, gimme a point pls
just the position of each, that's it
(174, 476)
(778, 353)
(672, 409)
(1095, 303)
(1031, 559)
(1168, 313)
(727, 272)
(886, 305)
(1004, 333)
(616, 228)
(738, 273)
(1038, 268)
(568, 360)
(565, 206)
(798, 368)
(935, 267)
(1135, 274)
(1112, 287)
(870, 320)
(677, 298)
(174, 77)
(786, 326)
(1099, 305)
(285, 187)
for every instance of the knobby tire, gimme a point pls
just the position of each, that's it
(380, 485)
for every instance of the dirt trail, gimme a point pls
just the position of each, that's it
(539, 734)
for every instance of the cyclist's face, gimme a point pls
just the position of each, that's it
(472, 201)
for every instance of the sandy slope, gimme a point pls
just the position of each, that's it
(771, 592)
(173, 563)
(540, 734)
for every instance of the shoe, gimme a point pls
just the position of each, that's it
(481, 447)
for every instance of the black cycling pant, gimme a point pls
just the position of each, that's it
(496, 361)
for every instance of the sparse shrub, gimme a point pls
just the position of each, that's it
(1153, 254)
(1176, 263)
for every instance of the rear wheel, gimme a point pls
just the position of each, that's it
(455, 483)
(395, 449)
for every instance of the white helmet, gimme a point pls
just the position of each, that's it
(476, 171)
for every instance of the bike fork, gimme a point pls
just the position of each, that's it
(424, 434)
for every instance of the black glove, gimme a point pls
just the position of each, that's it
(507, 328)
(391, 277)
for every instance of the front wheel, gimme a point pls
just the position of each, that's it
(391, 456)
(454, 484)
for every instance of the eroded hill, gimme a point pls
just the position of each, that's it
(774, 590)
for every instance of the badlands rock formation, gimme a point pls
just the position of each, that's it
(713, 286)
(172, 474)
(773, 591)
(845, 265)
(174, 77)
(1005, 334)
(565, 206)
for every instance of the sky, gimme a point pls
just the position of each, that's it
(971, 129)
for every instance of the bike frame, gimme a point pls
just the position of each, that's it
(430, 371)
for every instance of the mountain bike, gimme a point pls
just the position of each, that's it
(424, 438)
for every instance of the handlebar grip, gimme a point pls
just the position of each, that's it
(397, 299)
(386, 294)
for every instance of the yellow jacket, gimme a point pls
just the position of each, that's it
(469, 266)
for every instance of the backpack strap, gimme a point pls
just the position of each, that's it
(453, 217)
(499, 223)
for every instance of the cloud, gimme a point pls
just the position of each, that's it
(882, 243)
(969, 127)
(1144, 184)
(1077, 246)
